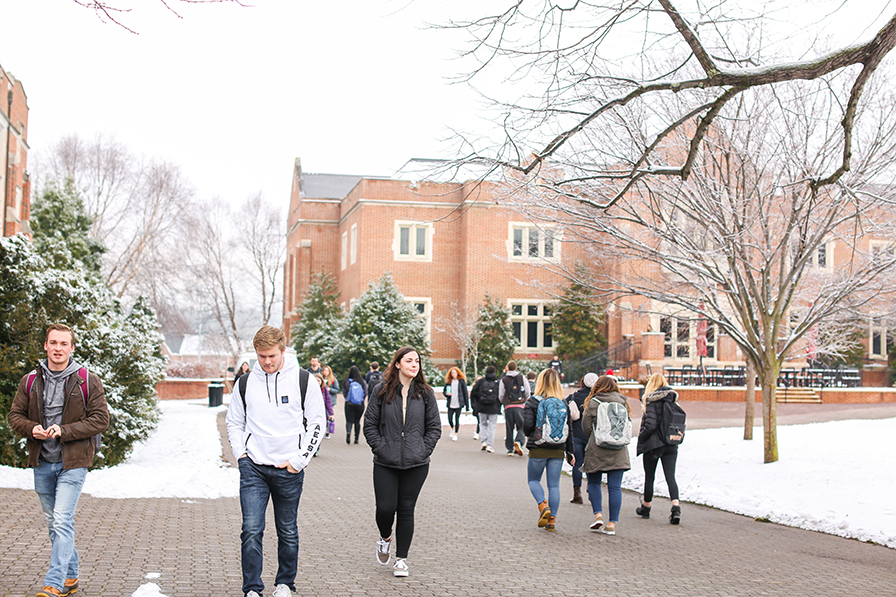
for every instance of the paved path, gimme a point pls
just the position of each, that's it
(475, 535)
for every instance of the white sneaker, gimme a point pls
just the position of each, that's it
(475, 436)
(282, 591)
(382, 551)
(252, 594)
(454, 437)
(489, 449)
(400, 568)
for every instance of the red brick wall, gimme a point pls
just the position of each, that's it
(187, 389)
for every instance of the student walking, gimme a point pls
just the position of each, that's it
(274, 428)
(579, 439)
(333, 390)
(513, 392)
(59, 408)
(546, 425)
(612, 461)
(655, 450)
(484, 396)
(354, 389)
(328, 405)
(455, 391)
(402, 427)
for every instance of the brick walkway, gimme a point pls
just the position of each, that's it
(475, 535)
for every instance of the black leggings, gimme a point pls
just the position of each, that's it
(668, 454)
(454, 415)
(396, 492)
(353, 414)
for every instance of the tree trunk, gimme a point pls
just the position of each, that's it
(750, 401)
(769, 379)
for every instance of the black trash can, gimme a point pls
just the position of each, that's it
(215, 394)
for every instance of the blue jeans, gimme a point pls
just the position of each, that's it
(59, 491)
(614, 491)
(257, 484)
(578, 449)
(536, 467)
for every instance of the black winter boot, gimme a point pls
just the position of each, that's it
(675, 516)
(642, 510)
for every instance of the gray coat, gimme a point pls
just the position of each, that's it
(602, 459)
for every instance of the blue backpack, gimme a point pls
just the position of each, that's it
(551, 422)
(355, 393)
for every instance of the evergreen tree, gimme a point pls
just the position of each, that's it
(379, 323)
(320, 319)
(121, 347)
(577, 322)
(497, 342)
(58, 216)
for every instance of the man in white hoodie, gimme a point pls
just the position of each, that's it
(274, 430)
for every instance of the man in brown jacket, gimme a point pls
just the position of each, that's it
(59, 419)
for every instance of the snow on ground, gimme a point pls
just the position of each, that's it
(831, 477)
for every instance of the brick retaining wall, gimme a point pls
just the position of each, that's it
(174, 388)
(737, 394)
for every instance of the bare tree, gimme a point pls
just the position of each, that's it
(462, 326)
(261, 232)
(708, 159)
(111, 12)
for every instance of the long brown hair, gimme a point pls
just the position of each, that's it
(605, 384)
(460, 375)
(330, 379)
(391, 380)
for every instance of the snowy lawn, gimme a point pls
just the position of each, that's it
(826, 479)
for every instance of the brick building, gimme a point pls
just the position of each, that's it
(14, 177)
(444, 243)
(449, 243)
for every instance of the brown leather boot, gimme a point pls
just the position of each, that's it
(576, 495)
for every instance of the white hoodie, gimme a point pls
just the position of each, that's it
(273, 432)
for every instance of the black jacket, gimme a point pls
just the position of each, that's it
(475, 396)
(650, 435)
(402, 445)
(530, 412)
(464, 394)
(579, 398)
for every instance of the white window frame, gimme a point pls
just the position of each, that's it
(429, 232)
(354, 245)
(674, 343)
(827, 249)
(527, 230)
(877, 325)
(344, 257)
(427, 310)
(877, 246)
(540, 320)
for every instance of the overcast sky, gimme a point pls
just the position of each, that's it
(233, 95)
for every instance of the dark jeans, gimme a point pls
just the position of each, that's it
(257, 484)
(454, 415)
(353, 414)
(513, 425)
(396, 492)
(578, 450)
(669, 455)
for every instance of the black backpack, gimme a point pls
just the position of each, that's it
(488, 392)
(513, 386)
(375, 378)
(673, 423)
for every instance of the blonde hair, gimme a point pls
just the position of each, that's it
(548, 384)
(656, 381)
(330, 379)
(268, 337)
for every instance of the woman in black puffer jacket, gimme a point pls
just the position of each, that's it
(402, 427)
(651, 444)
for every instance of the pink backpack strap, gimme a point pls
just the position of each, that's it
(82, 373)
(30, 383)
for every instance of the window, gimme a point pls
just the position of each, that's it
(344, 249)
(823, 257)
(677, 337)
(354, 251)
(531, 322)
(528, 242)
(413, 241)
(881, 249)
(880, 339)
(423, 306)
